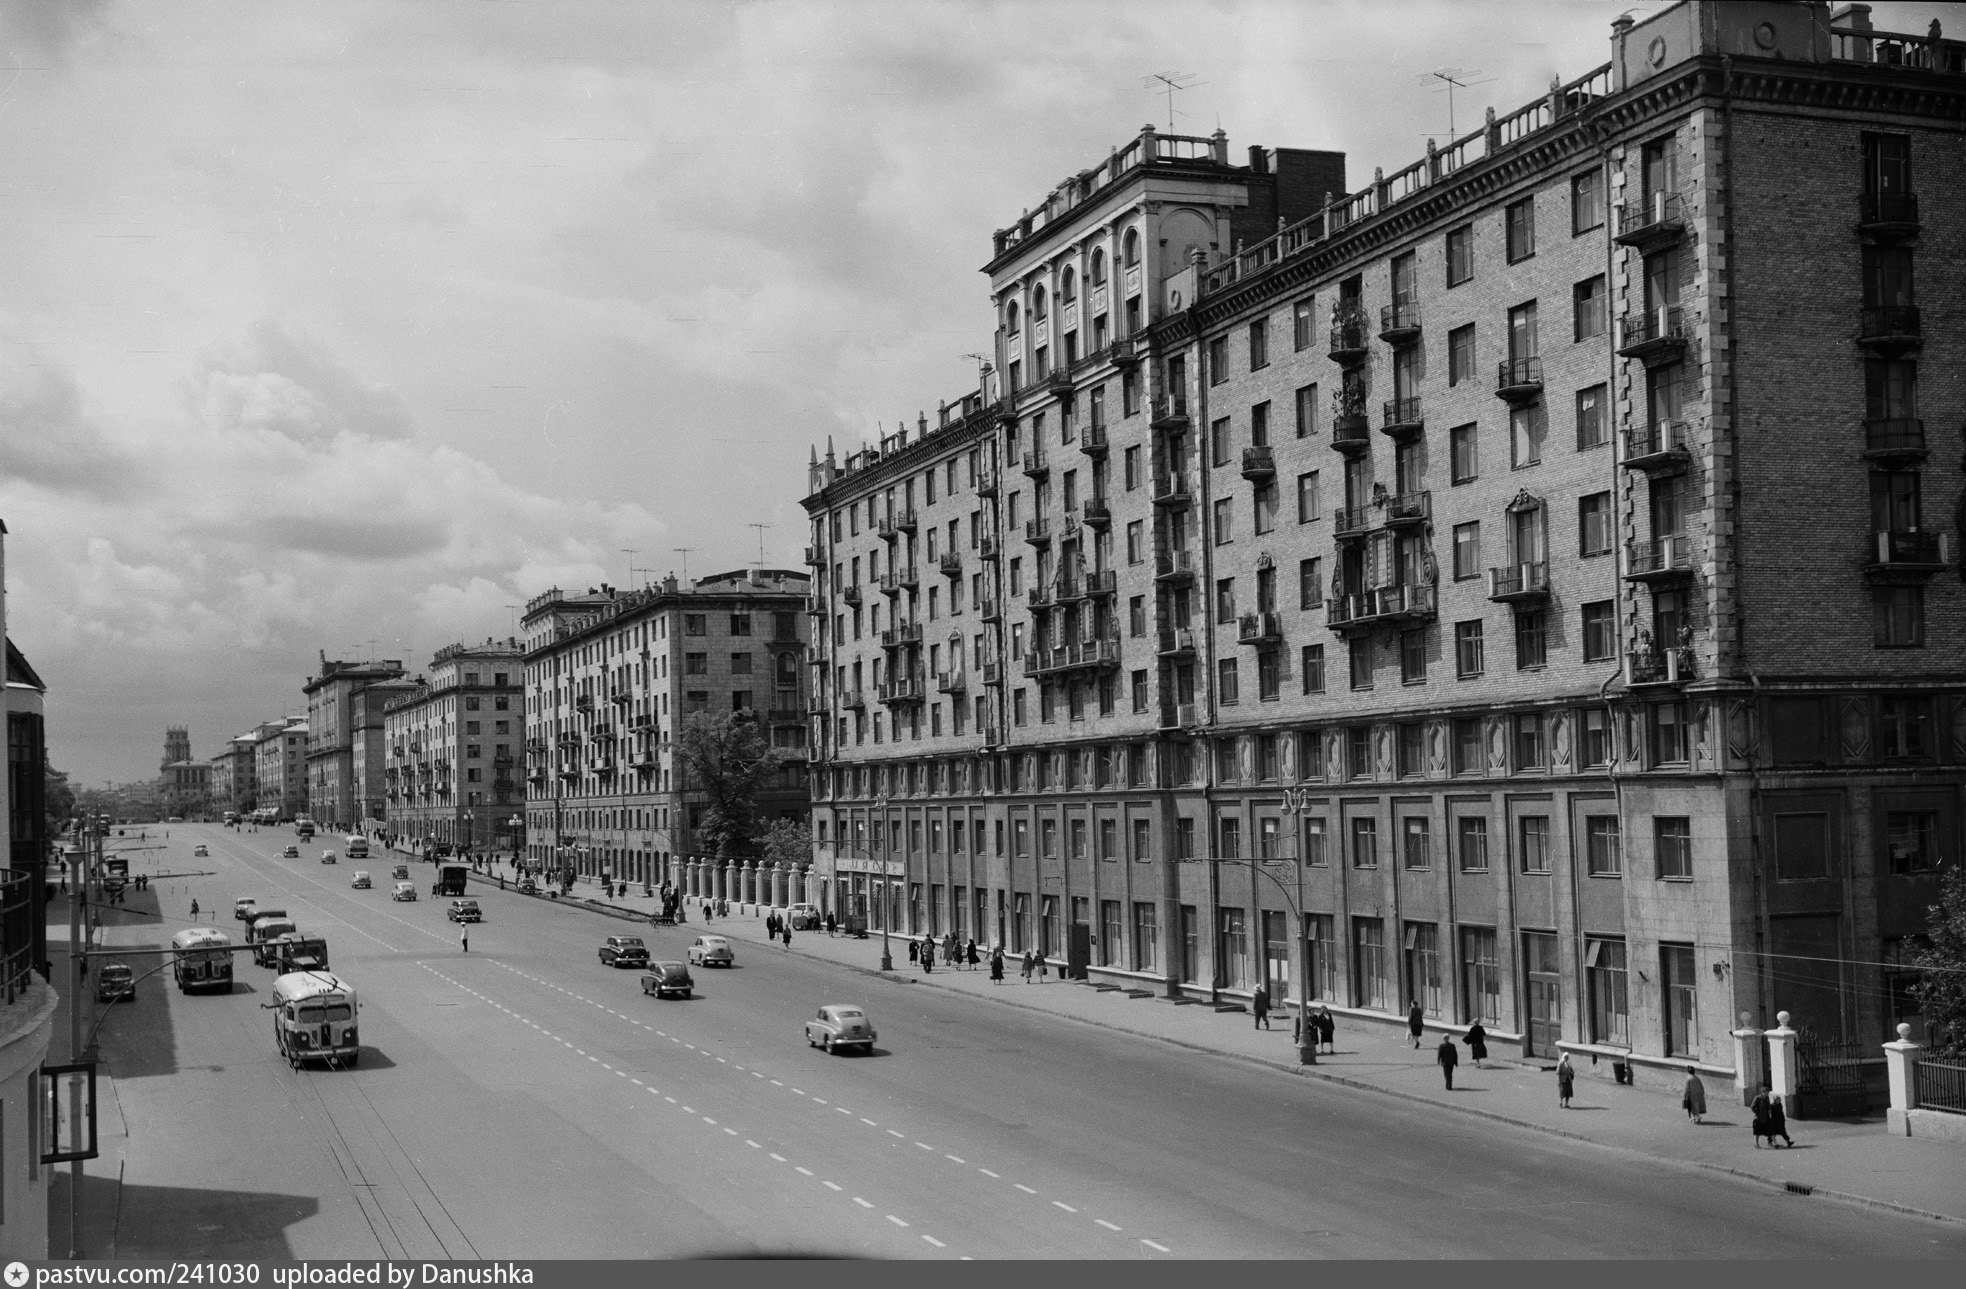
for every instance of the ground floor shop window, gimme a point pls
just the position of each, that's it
(1319, 943)
(1054, 929)
(1481, 979)
(1370, 988)
(1604, 971)
(1681, 990)
(1231, 949)
(1190, 942)
(1421, 945)
(1276, 955)
(1146, 937)
(1109, 932)
(1020, 923)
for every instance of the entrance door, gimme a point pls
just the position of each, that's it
(1079, 952)
(1545, 1001)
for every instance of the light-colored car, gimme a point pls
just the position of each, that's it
(665, 978)
(464, 911)
(803, 917)
(327, 857)
(245, 909)
(361, 882)
(404, 891)
(201, 852)
(840, 1025)
(115, 981)
(624, 951)
(291, 852)
(711, 951)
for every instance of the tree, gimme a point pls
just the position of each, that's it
(728, 763)
(1941, 988)
(788, 841)
(59, 798)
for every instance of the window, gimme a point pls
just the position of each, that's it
(1313, 668)
(1413, 656)
(1136, 616)
(1668, 721)
(1416, 850)
(1587, 301)
(1358, 751)
(1309, 504)
(740, 624)
(1461, 354)
(1259, 344)
(1910, 840)
(1600, 631)
(1887, 165)
(1533, 837)
(1460, 254)
(1225, 599)
(1361, 662)
(1471, 843)
(696, 664)
(1531, 639)
(1225, 524)
(1603, 855)
(1184, 839)
(1467, 550)
(1592, 431)
(1586, 202)
(1801, 847)
(1463, 460)
(1468, 662)
(1468, 755)
(1306, 411)
(1264, 504)
(1310, 754)
(740, 664)
(696, 624)
(1225, 671)
(1259, 425)
(1897, 617)
(1310, 585)
(1130, 467)
(1604, 970)
(1519, 223)
(1672, 846)
(1218, 360)
(1529, 741)
(1300, 325)
(1365, 843)
(1905, 732)
(1218, 442)
(1370, 986)
(1526, 431)
(1594, 524)
(1481, 978)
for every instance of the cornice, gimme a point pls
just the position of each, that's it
(900, 461)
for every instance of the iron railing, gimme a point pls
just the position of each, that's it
(1941, 1085)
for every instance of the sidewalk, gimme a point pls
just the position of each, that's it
(1850, 1160)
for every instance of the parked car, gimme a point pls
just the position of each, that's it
(327, 857)
(291, 852)
(200, 852)
(803, 917)
(528, 887)
(464, 911)
(711, 951)
(115, 981)
(665, 978)
(245, 909)
(361, 882)
(840, 1025)
(624, 951)
(404, 891)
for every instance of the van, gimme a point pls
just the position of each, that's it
(263, 930)
(314, 1018)
(355, 846)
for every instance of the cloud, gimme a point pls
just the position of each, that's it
(46, 440)
(277, 383)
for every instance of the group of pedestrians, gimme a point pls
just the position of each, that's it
(778, 927)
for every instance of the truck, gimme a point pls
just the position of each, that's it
(450, 879)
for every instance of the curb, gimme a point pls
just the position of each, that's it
(1312, 1072)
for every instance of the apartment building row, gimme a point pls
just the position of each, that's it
(1526, 585)
(346, 757)
(451, 744)
(263, 769)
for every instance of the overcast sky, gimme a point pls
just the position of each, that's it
(346, 325)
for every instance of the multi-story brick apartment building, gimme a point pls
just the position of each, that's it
(279, 753)
(1528, 568)
(344, 782)
(451, 768)
(610, 676)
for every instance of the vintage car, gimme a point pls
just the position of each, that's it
(840, 1025)
(666, 978)
(803, 917)
(404, 891)
(328, 857)
(464, 911)
(361, 882)
(201, 852)
(115, 981)
(291, 852)
(711, 951)
(245, 908)
(624, 951)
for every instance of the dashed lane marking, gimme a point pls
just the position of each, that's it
(1022, 1187)
(861, 1202)
(1059, 1203)
(1103, 1222)
(897, 1221)
(831, 1186)
(1150, 1244)
(937, 1243)
(987, 1173)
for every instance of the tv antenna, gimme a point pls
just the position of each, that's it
(684, 552)
(1167, 83)
(1456, 78)
(630, 551)
(515, 620)
(761, 540)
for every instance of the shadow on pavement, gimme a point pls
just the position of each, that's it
(162, 1223)
(136, 1037)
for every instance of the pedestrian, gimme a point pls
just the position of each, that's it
(949, 948)
(928, 956)
(464, 937)
(1566, 1081)
(831, 924)
(1044, 967)
(1477, 1044)
(1449, 1056)
(1416, 1021)
(1694, 1099)
(786, 931)
(1778, 1122)
(1327, 1030)
(194, 910)
(1770, 1119)
(971, 954)
(996, 965)
(1259, 1003)
(914, 951)
(1028, 965)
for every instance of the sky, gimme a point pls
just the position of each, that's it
(349, 326)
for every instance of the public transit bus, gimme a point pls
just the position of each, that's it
(355, 846)
(314, 1018)
(201, 958)
(304, 828)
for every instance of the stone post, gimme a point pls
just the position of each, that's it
(1782, 1062)
(1749, 1071)
(1901, 1066)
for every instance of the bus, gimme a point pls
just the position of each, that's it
(201, 958)
(304, 828)
(355, 846)
(314, 1018)
(231, 817)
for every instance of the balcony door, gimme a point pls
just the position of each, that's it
(1668, 515)
(1659, 168)
(1522, 332)
(1894, 504)
(1526, 541)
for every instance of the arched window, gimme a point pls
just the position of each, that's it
(1038, 305)
(1010, 318)
(1068, 286)
(1130, 248)
(1098, 268)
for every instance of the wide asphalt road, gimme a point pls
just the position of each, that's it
(522, 1100)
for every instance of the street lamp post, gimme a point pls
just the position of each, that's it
(1306, 1039)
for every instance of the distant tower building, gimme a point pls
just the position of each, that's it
(177, 745)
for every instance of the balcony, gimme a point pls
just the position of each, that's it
(1097, 514)
(902, 636)
(1174, 566)
(986, 548)
(537, 774)
(1070, 588)
(1349, 344)
(1649, 224)
(1351, 521)
(902, 690)
(950, 565)
(1103, 581)
(1659, 450)
(1519, 583)
(952, 682)
(987, 482)
(1407, 509)
(891, 528)
(1172, 489)
(621, 695)
(816, 705)
(1179, 716)
(584, 703)
(1080, 655)
(1887, 216)
(890, 584)
(1381, 606)
(601, 733)
(816, 555)
(1399, 322)
(1093, 441)
(854, 699)
(1912, 554)
(1666, 559)
(1404, 420)
(1895, 440)
(990, 732)
(1646, 668)
(851, 594)
(1654, 337)
(1170, 411)
(1057, 381)
(1068, 528)
(1258, 465)
(1125, 352)
(1178, 643)
(1519, 380)
(1036, 464)
(990, 608)
(993, 673)
(787, 714)
(1259, 629)
(1351, 432)
(1890, 328)
(1041, 596)
(1037, 532)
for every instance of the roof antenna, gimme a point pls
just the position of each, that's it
(684, 552)
(1456, 77)
(1167, 83)
(761, 540)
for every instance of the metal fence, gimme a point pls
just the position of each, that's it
(1941, 1086)
(1831, 1078)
